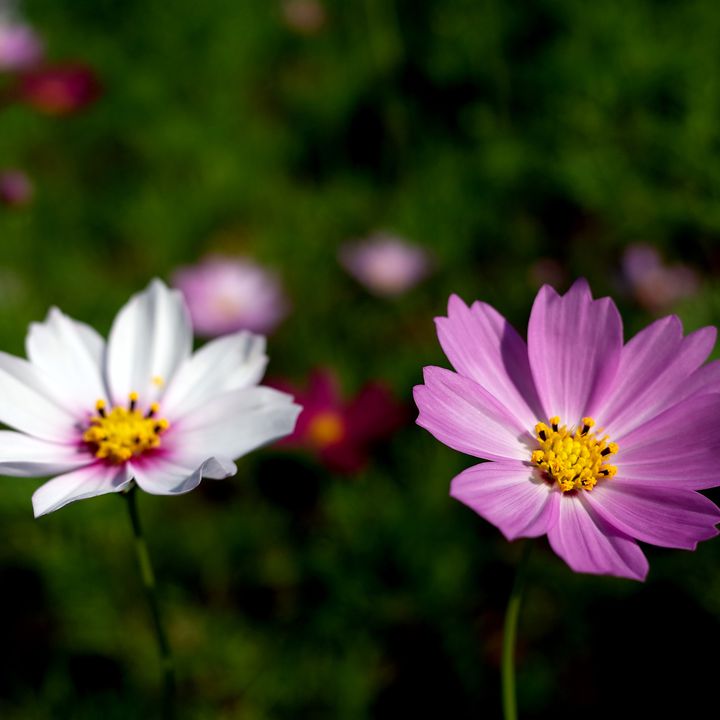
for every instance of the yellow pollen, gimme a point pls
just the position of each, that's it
(326, 428)
(124, 432)
(157, 381)
(574, 459)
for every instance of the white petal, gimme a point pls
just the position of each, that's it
(165, 478)
(25, 456)
(235, 423)
(87, 482)
(70, 354)
(228, 363)
(27, 403)
(149, 340)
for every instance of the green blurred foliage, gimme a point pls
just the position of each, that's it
(495, 135)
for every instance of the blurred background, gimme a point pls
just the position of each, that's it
(327, 172)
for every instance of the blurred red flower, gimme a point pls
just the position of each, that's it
(342, 432)
(58, 89)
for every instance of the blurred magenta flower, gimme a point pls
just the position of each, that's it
(15, 188)
(20, 46)
(225, 294)
(142, 409)
(304, 16)
(58, 89)
(342, 432)
(657, 286)
(386, 265)
(594, 488)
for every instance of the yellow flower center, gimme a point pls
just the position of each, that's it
(124, 432)
(574, 459)
(326, 428)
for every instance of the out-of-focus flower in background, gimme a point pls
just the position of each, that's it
(385, 264)
(59, 89)
(15, 188)
(342, 432)
(225, 294)
(304, 16)
(655, 285)
(20, 46)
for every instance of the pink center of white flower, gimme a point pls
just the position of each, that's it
(124, 432)
(574, 459)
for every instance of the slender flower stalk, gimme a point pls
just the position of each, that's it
(148, 580)
(509, 699)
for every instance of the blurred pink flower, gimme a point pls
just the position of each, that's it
(656, 286)
(225, 294)
(59, 89)
(20, 46)
(386, 265)
(341, 432)
(15, 188)
(304, 16)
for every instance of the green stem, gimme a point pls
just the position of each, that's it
(148, 580)
(509, 699)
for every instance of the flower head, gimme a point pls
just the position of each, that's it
(593, 442)
(341, 432)
(657, 286)
(15, 188)
(225, 294)
(59, 89)
(140, 408)
(386, 265)
(20, 46)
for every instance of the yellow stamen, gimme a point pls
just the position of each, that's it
(575, 460)
(326, 428)
(124, 432)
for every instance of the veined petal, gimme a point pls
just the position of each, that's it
(27, 404)
(70, 354)
(510, 496)
(588, 543)
(654, 367)
(161, 477)
(87, 482)
(229, 363)
(464, 416)
(149, 340)
(482, 345)
(25, 456)
(662, 516)
(574, 345)
(233, 424)
(679, 447)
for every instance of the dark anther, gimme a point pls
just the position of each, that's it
(542, 435)
(101, 411)
(149, 413)
(606, 451)
(585, 429)
(555, 427)
(605, 472)
(133, 403)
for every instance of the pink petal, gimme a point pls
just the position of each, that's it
(678, 448)
(464, 416)
(510, 496)
(87, 482)
(589, 544)
(483, 346)
(654, 367)
(574, 345)
(659, 515)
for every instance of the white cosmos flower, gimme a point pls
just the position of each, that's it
(142, 408)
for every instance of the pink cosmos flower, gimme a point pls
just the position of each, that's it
(657, 286)
(15, 188)
(20, 46)
(341, 432)
(593, 442)
(384, 264)
(59, 89)
(225, 294)
(140, 409)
